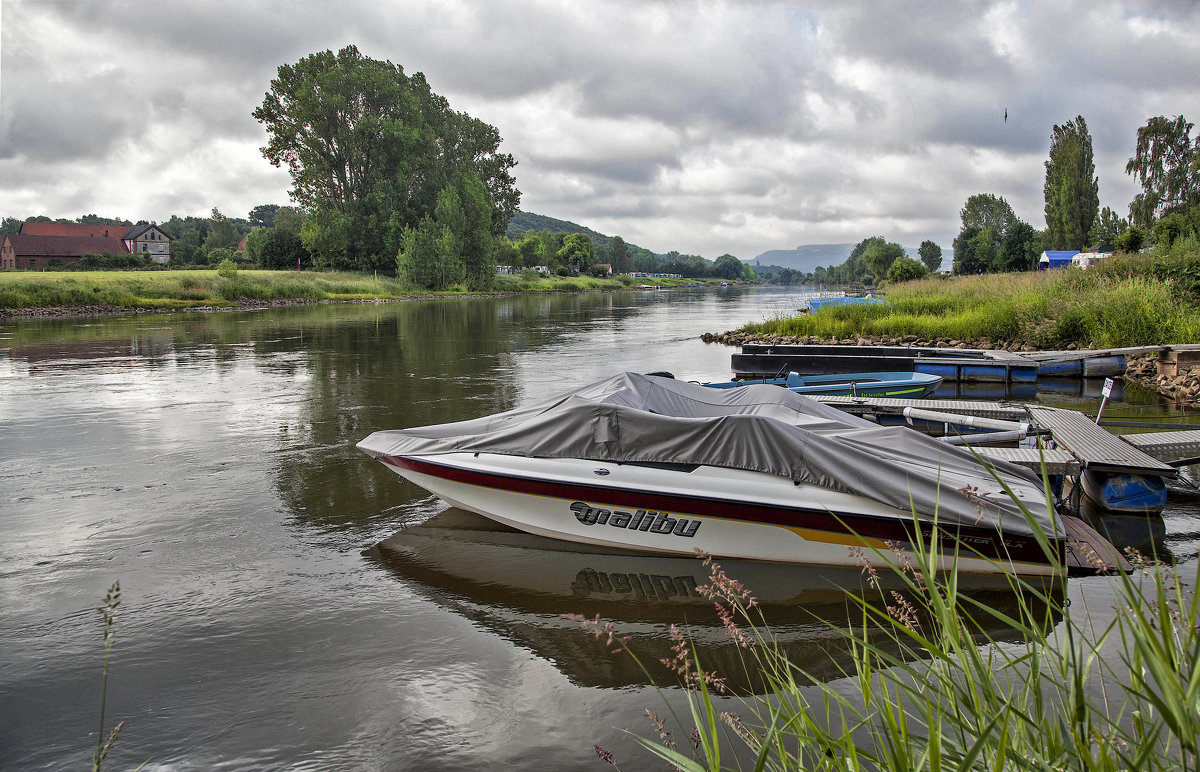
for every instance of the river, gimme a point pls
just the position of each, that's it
(207, 462)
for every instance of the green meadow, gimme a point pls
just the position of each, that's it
(156, 290)
(1128, 300)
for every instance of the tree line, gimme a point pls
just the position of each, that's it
(1166, 163)
(993, 239)
(270, 237)
(387, 177)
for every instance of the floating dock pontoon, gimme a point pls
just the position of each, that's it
(758, 360)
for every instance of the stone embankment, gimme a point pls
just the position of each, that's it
(65, 312)
(738, 338)
(1181, 388)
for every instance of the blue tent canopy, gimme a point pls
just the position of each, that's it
(1057, 258)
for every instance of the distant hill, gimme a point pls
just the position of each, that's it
(806, 257)
(523, 222)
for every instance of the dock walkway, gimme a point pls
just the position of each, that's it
(1080, 443)
(1096, 448)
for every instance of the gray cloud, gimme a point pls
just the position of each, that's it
(703, 126)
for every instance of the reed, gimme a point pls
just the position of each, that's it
(927, 694)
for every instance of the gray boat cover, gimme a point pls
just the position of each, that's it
(642, 418)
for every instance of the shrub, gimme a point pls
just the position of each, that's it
(227, 269)
(1131, 240)
(906, 269)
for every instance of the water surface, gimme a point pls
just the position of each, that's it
(207, 462)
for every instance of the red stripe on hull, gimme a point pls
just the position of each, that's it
(985, 542)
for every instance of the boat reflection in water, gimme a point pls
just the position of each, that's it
(1145, 533)
(1084, 388)
(519, 586)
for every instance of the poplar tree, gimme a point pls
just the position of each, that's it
(1072, 191)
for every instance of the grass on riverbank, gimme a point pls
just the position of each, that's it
(1125, 301)
(191, 289)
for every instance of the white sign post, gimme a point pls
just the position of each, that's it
(1108, 384)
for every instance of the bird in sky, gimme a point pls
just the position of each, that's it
(1006, 115)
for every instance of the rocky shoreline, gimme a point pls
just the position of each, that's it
(1181, 389)
(72, 312)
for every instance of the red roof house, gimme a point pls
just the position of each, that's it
(37, 243)
(71, 229)
(21, 250)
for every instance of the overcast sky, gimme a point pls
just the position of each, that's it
(705, 127)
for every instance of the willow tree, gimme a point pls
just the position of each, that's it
(1167, 165)
(370, 150)
(1072, 190)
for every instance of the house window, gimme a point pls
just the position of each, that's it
(32, 263)
(145, 247)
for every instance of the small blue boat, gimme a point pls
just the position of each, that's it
(899, 385)
(1127, 493)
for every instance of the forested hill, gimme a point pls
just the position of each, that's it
(523, 222)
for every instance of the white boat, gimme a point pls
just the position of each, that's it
(658, 465)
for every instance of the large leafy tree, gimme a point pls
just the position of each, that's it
(727, 267)
(222, 232)
(993, 238)
(880, 255)
(371, 151)
(476, 242)
(288, 219)
(855, 268)
(1072, 190)
(1108, 228)
(281, 249)
(931, 255)
(576, 251)
(906, 269)
(419, 261)
(1167, 165)
(263, 215)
